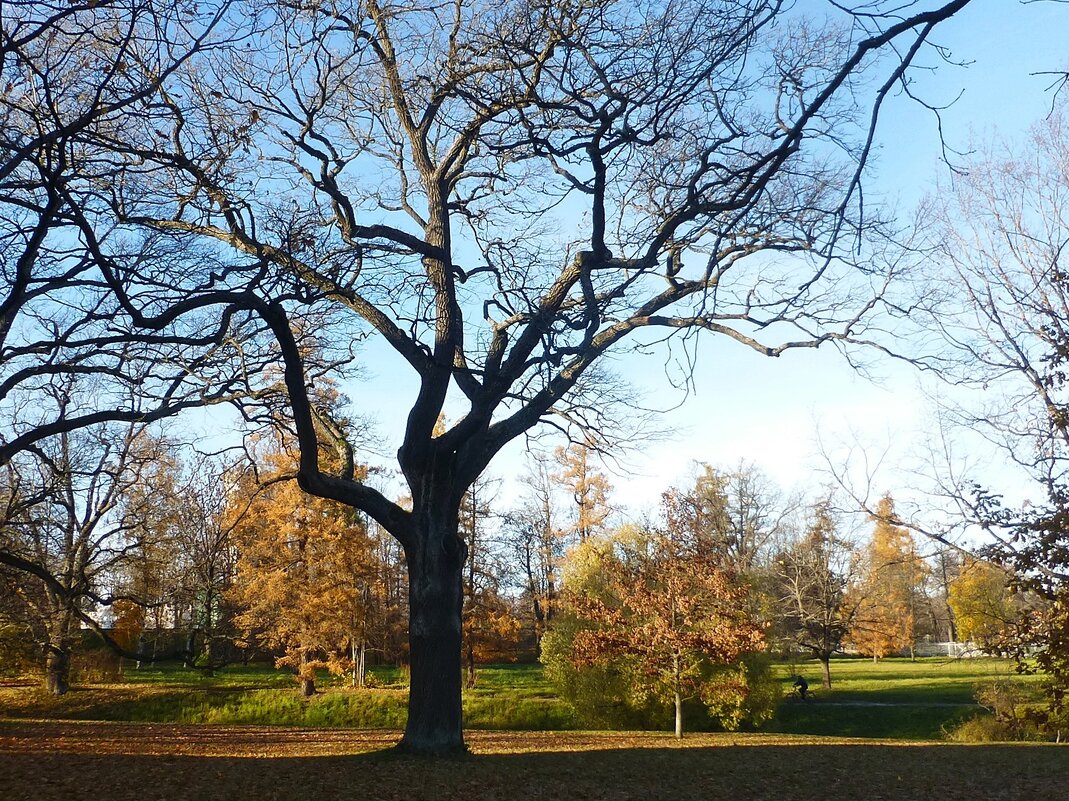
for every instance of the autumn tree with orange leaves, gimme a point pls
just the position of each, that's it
(891, 591)
(648, 606)
(304, 571)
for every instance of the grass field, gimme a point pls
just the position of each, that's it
(337, 744)
(507, 697)
(69, 761)
(895, 699)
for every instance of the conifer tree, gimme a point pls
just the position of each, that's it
(302, 572)
(588, 487)
(891, 590)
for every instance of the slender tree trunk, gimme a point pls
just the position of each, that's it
(469, 683)
(678, 699)
(188, 660)
(362, 670)
(435, 592)
(551, 599)
(825, 669)
(306, 677)
(359, 653)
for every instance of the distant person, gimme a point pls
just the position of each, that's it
(803, 688)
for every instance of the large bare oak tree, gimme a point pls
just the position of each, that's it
(502, 192)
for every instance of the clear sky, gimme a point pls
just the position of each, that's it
(769, 411)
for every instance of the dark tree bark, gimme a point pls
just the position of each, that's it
(435, 575)
(57, 677)
(58, 668)
(60, 629)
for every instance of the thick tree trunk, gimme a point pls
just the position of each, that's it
(61, 630)
(206, 656)
(435, 592)
(539, 617)
(825, 669)
(57, 669)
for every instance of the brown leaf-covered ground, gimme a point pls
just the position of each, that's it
(92, 760)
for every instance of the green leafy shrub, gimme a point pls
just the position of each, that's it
(17, 655)
(1010, 716)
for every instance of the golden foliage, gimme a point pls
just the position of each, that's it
(588, 487)
(302, 568)
(890, 592)
(981, 602)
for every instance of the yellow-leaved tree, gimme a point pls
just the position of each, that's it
(890, 592)
(982, 604)
(304, 569)
(588, 487)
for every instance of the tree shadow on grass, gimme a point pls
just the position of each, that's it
(907, 721)
(73, 762)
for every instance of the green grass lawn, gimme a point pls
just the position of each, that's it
(894, 699)
(936, 680)
(506, 697)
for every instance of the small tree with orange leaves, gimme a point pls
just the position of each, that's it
(646, 605)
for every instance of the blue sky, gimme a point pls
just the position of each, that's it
(771, 412)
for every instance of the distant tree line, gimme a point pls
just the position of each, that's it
(122, 534)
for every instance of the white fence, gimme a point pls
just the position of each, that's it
(953, 649)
